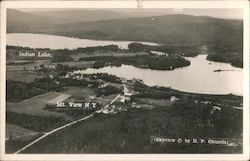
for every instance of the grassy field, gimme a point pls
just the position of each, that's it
(156, 102)
(14, 145)
(26, 66)
(14, 132)
(24, 72)
(77, 91)
(24, 76)
(34, 106)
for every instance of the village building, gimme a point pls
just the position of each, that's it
(173, 98)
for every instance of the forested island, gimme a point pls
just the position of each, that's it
(226, 55)
(151, 62)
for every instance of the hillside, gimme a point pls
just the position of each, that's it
(74, 16)
(77, 15)
(180, 29)
(19, 21)
(17, 18)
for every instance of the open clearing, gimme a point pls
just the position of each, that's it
(19, 133)
(59, 98)
(24, 76)
(77, 91)
(29, 66)
(34, 106)
(157, 102)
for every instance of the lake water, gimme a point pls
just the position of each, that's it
(60, 42)
(199, 77)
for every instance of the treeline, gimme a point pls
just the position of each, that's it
(36, 123)
(57, 70)
(61, 69)
(224, 123)
(78, 83)
(195, 115)
(10, 47)
(146, 61)
(107, 48)
(19, 63)
(233, 59)
(169, 49)
(107, 90)
(17, 91)
(106, 77)
(58, 55)
(102, 63)
(86, 49)
(154, 92)
(61, 57)
(148, 92)
(92, 80)
(234, 56)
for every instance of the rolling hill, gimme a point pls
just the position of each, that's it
(74, 16)
(173, 29)
(65, 16)
(77, 15)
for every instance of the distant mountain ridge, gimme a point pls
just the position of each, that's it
(17, 20)
(73, 16)
(70, 16)
(174, 29)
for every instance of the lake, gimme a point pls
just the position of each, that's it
(199, 77)
(60, 42)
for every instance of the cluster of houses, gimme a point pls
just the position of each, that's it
(50, 66)
(114, 109)
(126, 97)
(73, 75)
(215, 106)
(120, 105)
(79, 76)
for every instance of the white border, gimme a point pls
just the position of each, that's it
(128, 4)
